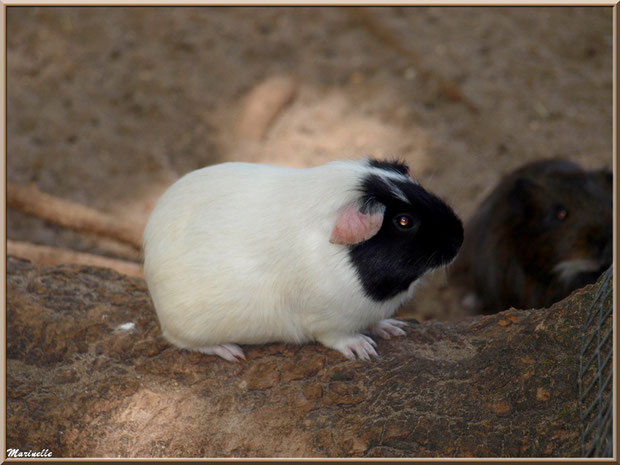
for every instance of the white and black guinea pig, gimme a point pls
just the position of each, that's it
(242, 253)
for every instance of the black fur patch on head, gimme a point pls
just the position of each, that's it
(390, 261)
(390, 165)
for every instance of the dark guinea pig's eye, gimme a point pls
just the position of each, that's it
(404, 221)
(560, 213)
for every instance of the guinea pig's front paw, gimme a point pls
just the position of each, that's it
(388, 328)
(230, 352)
(355, 347)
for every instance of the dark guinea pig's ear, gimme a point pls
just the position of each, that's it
(522, 195)
(357, 222)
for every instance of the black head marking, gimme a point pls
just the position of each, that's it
(394, 165)
(404, 248)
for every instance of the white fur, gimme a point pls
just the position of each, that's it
(240, 253)
(567, 269)
(397, 192)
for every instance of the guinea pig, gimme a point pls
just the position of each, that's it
(544, 231)
(242, 253)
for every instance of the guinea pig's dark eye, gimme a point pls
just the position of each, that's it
(404, 222)
(560, 213)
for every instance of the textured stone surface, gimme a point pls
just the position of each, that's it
(502, 385)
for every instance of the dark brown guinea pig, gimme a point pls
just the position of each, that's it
(543, 232)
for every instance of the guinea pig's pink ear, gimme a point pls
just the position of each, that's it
(352, 226)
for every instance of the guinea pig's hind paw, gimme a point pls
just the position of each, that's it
(388, 328)
(357, 347)
(230, 352)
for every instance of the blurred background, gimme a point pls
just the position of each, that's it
(108, 106)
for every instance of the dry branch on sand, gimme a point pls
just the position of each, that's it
(262, 105)
(71, 215)
(47, 255)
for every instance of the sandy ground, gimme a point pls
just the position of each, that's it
(107, 106)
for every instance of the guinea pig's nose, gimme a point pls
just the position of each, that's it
(457, 239)
(453, 245)
(606, 250)
(448, 235)
(601, 245)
